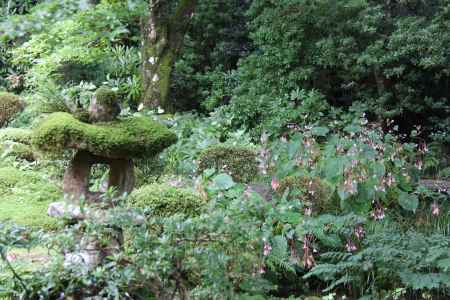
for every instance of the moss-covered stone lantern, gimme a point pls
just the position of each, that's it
(106, 140)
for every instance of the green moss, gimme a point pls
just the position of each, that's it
(81, 115)
(19, 150)
(24, 198)
(10, 105)
(164, 200)
(106, 96)
(313, 191)
(18, 135)
(9, 177)
(132, 137)
(16, 142)
(238, 162)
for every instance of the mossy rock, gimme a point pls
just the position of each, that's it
(18, 135)
(136, 137)
(104, 106)
(314, 192)
(10, 105)
(239, 162)
(106, 96)
(163, 200)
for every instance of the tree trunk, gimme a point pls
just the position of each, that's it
(163, 35)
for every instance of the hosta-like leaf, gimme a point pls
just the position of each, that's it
(222, 182)
(408, 201)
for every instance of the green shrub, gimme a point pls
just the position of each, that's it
(10, 105)
(390, 56)
(164, 200)
(387, 259)
(314, 191)
(16, 142)
(19, 150)
(18, 135)
(238, 162)
(106, 96)
(9, 177)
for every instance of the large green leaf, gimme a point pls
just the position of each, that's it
(334, 168)
(320, 131)
(222, 182)
(408, 201)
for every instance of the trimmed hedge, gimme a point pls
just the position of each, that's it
(239, 162)
(163, 200)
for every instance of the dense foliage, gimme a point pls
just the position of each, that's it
(388, 55)
(308, 159)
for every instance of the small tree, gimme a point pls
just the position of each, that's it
(163, 34)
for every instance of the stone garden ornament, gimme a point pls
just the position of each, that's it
(104, 139)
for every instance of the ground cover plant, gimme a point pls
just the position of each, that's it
(216, 149)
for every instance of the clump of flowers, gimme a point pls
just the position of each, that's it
(378, 212)
(350, 246)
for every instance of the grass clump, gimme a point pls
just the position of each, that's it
(239, 162)
(131, 137)
(163, 200)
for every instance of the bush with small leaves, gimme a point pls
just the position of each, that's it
(312, 191)
(10, 105)
(239, 162)
(17, 135)
(163, 200)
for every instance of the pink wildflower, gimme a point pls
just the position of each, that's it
(308, 211)
(350, 186)
(419, 164)
(359, 232)
(435, 209)
(275, 184)
(11, 257)
(390, 180)
(350, 246)
(378, 213)
(267, 249)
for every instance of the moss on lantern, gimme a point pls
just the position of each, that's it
(126, 138)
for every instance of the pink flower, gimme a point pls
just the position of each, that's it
(267, 249)
(435, 209)
(419, 164)
(390, 180)
(350, 186)
(262, 270)
(378, 213)
(350, 246)
(11, 257)
(308, 211)
(275, 184)
(359, 232)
